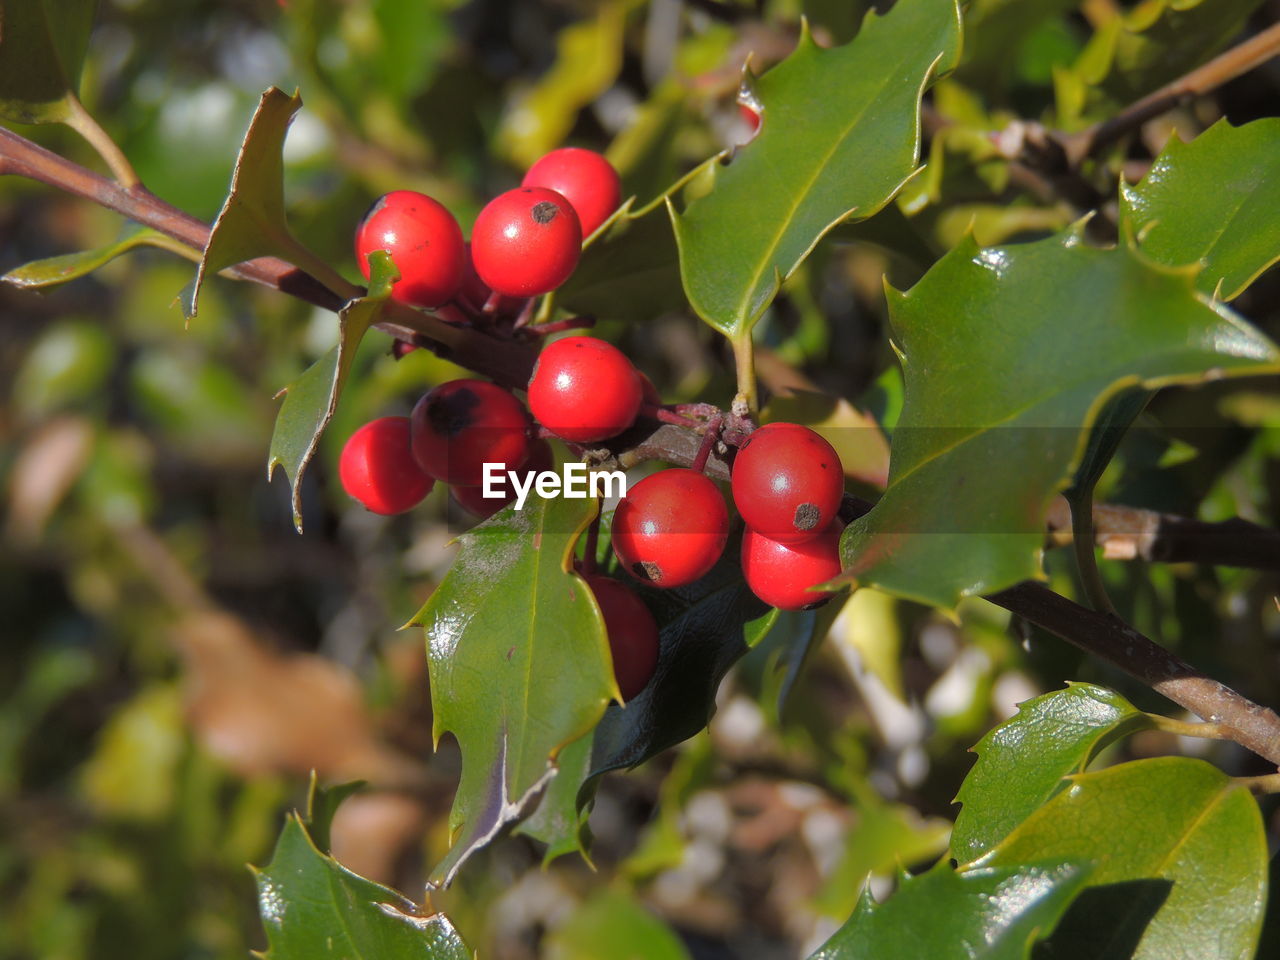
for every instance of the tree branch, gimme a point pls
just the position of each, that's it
(1110, 639)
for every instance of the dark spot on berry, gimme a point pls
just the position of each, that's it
(373, 208)
(807, 516)
(816, 604)
(545, 211)
(453, 412)
(647, 570)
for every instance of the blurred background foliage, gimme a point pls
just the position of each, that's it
(175, 658)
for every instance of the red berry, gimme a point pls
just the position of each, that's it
(526, 242)
(584, 178)
(780, 574)
(670, 528)
(584, 389)
(787, 482)
(473, 500)
(461, 425)
(633, 634)
(377, 467)
(425, 243)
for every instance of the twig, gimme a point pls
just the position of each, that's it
(1237, 61)
(1108, 638)
(508, 362)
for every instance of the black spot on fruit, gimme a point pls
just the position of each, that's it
(544, 212)
(647, 570)
(453, 412)
(807, 516)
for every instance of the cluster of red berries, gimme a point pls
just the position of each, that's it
(671, 528)
(525, 242)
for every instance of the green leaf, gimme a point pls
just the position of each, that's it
(42, 48)
(995, 28)
(519, 663)
(701, 635)
(1212, 201)
(1009, 353)
(252, 221)
(51, 271)
(818, 159)
(612, 924)
(988, 914)
(558, 821)
(314, 908)
(1022, 762)
(1180, 854)
(67, 365)
(311, 400)
(629, 270)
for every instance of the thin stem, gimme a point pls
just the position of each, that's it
(1086, 553)
(304, 257)
(744, 361)
(1181, 728)
(556, 326)
(83, 123)
(1239, 60)
(709, 440)
(1267, 783)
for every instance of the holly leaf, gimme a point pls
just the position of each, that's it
(701, 635)
(1180, 854)
(1212, 201)
(51, 271)
(311, 401)
(613, 924)
(817, 160)
(313, 908)
(42, 49)
(252, 222)
(558, 821)
(995, 913)
(1001, 392)
(629, 270)
(519, 664)
(1022, 762)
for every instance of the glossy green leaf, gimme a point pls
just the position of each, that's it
(252, 221)
(701, 635)
(817, 160)
(629, 270)
(1000, 397)
(310, 401)
(313, 908)
(612, 924)
(1022, 762)
(42, 48)
(988, 914)
(51, 271)
(1180, 861)
(1212, 201)
(558, 821)
(519, 663)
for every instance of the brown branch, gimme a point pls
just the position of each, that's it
(1237, 61)
(506, 362)
(1110, 639)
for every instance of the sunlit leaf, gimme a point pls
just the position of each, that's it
(1000, 398)
(988, 914)
(519, 662)
(313, 908)
(1212, 201)
(1022, 762)
(310, 401)
(818, 160)
(1180, 861)
(51, 271)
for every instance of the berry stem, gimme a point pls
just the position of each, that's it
(744, 359)
(556, 326)
(492, 303)
(525, 315)
(667, 415)
(709, 439)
